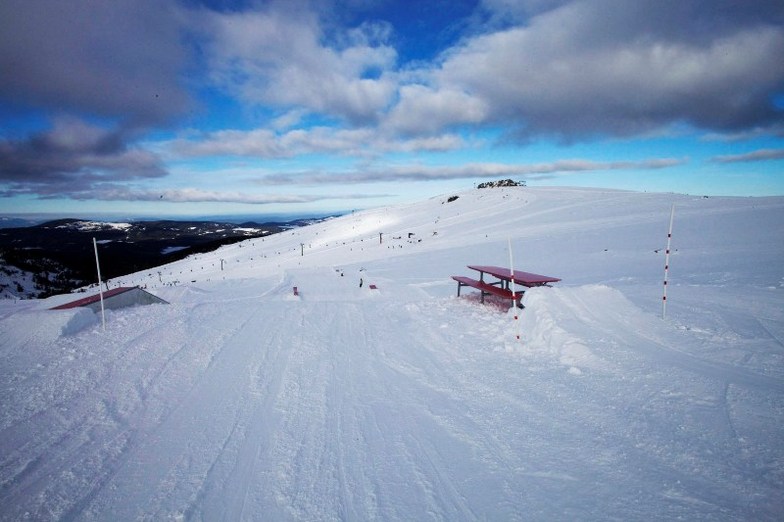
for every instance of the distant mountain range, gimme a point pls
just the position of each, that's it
(58, 256)
(16, 222)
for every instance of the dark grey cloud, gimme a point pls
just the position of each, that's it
(598, 67)
(121, 59)
(119, 62)
(71, 157)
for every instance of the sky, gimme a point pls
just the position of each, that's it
(218, 107)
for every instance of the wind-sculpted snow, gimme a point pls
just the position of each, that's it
(243, 401)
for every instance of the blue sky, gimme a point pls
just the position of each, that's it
(174, 107)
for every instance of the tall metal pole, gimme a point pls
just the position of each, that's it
(667, 262)
(100, 290)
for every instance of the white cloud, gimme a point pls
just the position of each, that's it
(756, 155)
(260, 143)
(263, 143)
(425, 110)
(272, 57)
(288, 120)
(193, 195)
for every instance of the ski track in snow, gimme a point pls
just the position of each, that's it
(241, 401)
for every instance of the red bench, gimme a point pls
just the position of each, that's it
(506, 280)
(486, 288)
(520, 278)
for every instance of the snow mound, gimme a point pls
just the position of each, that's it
(80, 319)
(46, 326)
(555, 321)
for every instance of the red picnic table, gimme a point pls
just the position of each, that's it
(502, 285)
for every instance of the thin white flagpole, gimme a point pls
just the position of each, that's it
(100, 289)
(667, 263)
(514, 292)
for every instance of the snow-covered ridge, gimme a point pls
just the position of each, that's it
(242, 400)
(602, 228)
(94, 225)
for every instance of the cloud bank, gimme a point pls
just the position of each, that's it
(757, 155)
(191, 195)
(416, 172)
(627, 68)
(306, 78)
(121, 60)
(70, 157)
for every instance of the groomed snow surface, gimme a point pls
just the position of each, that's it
(242, 401)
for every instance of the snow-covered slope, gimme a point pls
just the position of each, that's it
(242, 401)
(14, 282)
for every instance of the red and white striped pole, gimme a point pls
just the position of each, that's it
(667, 263)
(514, 293)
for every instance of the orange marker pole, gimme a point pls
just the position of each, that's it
(667, 263)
